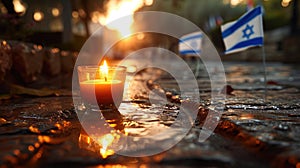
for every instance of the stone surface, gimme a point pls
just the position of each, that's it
(52, 63)
(32, 65)
(67, 61)
(5, 59)
(45, 131)
(27, 61)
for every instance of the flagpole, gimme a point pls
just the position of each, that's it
(264, 64)
(240, 35)
(265, 72)
(197, 67)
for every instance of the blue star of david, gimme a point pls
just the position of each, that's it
(248, 31)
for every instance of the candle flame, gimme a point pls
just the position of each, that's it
(104, 70)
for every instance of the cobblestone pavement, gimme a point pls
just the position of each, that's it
(45, 131)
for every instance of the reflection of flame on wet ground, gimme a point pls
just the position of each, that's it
(105, 141)
(98, 144)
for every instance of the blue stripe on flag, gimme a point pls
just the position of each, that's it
(190, 52)
(190, 38)
(247, 43)
(242, 21)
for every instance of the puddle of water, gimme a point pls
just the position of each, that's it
(244, 107)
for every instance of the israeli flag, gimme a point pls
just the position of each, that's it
(245, 32)
(191, 43)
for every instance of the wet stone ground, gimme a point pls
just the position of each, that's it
(252, 131)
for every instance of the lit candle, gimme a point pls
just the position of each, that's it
(107, 83)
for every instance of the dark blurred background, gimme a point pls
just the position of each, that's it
(67, 24)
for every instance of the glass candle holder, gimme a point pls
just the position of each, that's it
(102, 87)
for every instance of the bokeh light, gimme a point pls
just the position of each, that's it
(55, 12)
(38, 16)
(148, 2)
(75, 14)
(19, 7)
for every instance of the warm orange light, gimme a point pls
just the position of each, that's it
(246, 116)
(44, 138)
(98, 143)
(55, 12)
(30, 148)
(17, 152)
(285, 3)
(37, 145)
(38, 16)
(118, 9)
(104, 70)
(75, 14)
(34, 129)
(148, 2)
(235, 2)
(105, 141)
(19, 6)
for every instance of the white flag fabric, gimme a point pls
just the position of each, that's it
(245, 32)
(191, 43)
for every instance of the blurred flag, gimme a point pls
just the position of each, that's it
(245, 32)
(191, 43)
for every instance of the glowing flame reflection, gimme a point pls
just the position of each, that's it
(98, 144)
